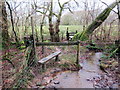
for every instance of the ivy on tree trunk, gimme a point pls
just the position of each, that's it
(4, 25)
(96, 23)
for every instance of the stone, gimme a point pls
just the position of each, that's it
(48, 81)
(88, 79)
(51, 87)
(47, 75)
(56, 70)
(42, 87)
(110, 83)
(35, 87)
(38, 84)
(56, 82)
(114, 86)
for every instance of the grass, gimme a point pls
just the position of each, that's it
(0, 46)
(113, 31)
(69, 57)
(63, 29)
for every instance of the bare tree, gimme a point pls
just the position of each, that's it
(97, 22)
(118, 8)
(62, 7)
(16, 38)
(16, 18)
(4, 30)
(4, 25)
(32, 58)
(54, 30)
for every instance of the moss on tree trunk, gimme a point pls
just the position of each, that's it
(96, 23)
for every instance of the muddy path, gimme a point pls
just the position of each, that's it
(90, 76)
(81, 78)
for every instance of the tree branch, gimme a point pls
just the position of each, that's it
(108, 6)
(59, 4)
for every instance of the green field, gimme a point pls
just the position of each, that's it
(63, 29)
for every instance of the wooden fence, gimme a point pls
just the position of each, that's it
(62, 44)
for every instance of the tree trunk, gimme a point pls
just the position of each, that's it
(36, 31)
(16, 38)
(118, 7)
(51, 29)
(57, 38)
(101, 18)
(97, 22)
(32, 58)
(4, 26)
(26, 27)
(4, 36)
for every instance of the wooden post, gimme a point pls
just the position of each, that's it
(43, 66)
(33, 57)
(34, 44)
(78, 55)
(67, 35)
(76, 31)
(62, 36)
(57, 58)
(32, 26)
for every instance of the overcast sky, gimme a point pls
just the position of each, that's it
(106, 1)
(73, 4)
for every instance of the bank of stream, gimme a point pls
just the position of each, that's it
(89, 76)
(81, 78)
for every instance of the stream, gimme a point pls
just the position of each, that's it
(81, 78)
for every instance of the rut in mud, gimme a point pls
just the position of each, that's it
(80, 79)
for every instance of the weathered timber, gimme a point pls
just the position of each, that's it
(33, 57)
(49, 57)
(69, 35)
(46, 59)
(56, 43)
(78, 54)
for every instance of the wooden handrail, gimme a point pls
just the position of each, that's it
(57, 43)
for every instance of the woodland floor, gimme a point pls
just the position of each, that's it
(107, 79)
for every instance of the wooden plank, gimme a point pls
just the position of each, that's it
(57, 43)
(49, 57)
(72, 34)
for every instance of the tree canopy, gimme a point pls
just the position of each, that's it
(96, 23)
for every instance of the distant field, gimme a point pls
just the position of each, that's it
(63, 29)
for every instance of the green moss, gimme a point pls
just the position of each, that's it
(81, 36)
(0, 46)
(97, 22)
(22, 47)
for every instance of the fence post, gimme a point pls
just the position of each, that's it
(78, 55)
(67, 34)
(33, 57)
(57, 58)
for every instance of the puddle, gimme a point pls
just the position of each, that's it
(79, 79)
